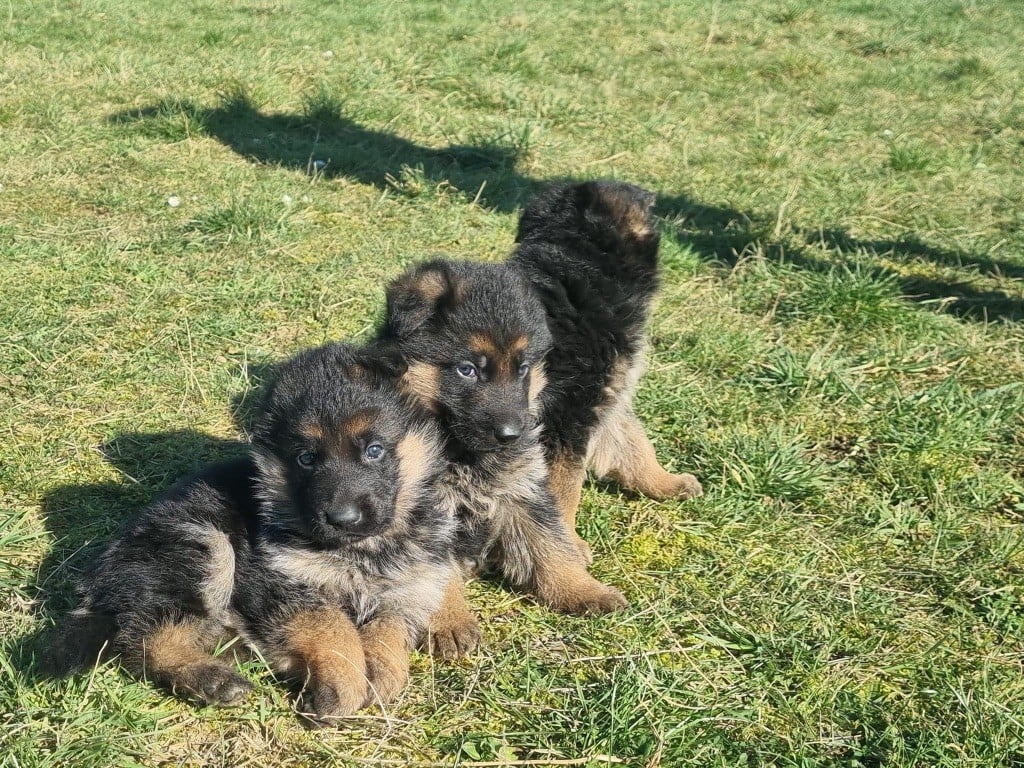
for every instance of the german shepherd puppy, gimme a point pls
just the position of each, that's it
(324, 549)
(474, 337)
(590, 253)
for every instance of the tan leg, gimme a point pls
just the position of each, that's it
(178, 655)
(325, 648)
(623, 452)
(386, 647)
(566, 474)
(562, 582)
(539, 551)
(453, 630)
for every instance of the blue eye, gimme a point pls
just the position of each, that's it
(523, 370)
(373, 451)
(466, 370)
(306, 459)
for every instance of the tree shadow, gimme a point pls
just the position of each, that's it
(724, 235)
(323, 141)
(82, 518)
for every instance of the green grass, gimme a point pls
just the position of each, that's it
(836, 352)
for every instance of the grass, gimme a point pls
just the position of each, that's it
(836, 352)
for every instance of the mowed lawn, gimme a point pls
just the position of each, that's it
(192, 190)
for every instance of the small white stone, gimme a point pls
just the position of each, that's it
(887, 133)
(328, 54)
(305, 198)
(1, 187)
(286, 199)
(173, 201)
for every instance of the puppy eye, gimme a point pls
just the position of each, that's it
(306, 459)
(523, 370)
(466, 370)
(373, 451)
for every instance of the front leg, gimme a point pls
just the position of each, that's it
(386, 647)
(323, 648)
(453, 630)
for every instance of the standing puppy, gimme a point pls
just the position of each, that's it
(474, 338)
(325, 549)
(590, 253)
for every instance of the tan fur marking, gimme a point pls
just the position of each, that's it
(312, 430)
(325, 638)
(483, 345)
(173, 646)
(386, 646)
(357, 425)
(562, 582)
(565, 478)
(416, 453)
(517, 346)
(220, 579)
(423, 381)
(538, 380)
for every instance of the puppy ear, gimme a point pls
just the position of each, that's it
(418, 296)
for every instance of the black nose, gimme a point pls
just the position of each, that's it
(344, 515)
(506, 433)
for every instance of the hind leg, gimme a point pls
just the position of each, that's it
(623, 452)
(178, 655)
(565, 478)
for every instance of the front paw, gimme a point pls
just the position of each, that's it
(212, 683)
(386, 682)
(323, 701)
(686, 486)
(452, 637)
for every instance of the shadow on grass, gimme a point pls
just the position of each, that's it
(82, 518)
(486, 173)
(722, 235)
(323, 141)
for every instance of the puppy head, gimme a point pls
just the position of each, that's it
(617, 217)
(474, 337)
(343, 458)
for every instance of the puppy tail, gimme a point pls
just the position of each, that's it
(78, 643)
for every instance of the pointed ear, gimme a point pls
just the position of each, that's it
(418, 296)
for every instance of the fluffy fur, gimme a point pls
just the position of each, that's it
(325, 549)
(590, 253)
(474, 338)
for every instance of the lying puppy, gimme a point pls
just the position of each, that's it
(590, 253)
(325, 549)
(474, 337)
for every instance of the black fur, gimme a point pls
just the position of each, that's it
(444, 318)
(270, 518)
(596, 276)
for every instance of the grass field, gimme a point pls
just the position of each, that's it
(837, 352)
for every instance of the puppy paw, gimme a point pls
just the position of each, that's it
(684, 486)
(386, 682)
(453, 637)
(323, 701)
(215, 684)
